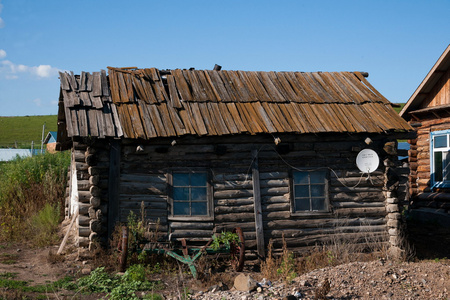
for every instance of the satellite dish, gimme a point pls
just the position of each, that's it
(367, 161)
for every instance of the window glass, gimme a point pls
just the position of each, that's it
(440, 159)
(317, 191)
(198, 194)
(309, 191)
(180, 179)
(198, 179)
(440, 141)
(190, 194)
(302, 204)
(300, 178)
(438, 166)
(199, 208)
(180, 193)
(181, 208)
(301, 191)
(318, 203)
(317, 177)
(446, 166)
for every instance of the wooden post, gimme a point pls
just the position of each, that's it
(113, 185)
(257, 206)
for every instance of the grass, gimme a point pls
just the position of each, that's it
(31, 197)
(398, 109)
(19, 132)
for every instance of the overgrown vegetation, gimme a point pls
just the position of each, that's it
(19, 132)
(117, 286)
(31, 197)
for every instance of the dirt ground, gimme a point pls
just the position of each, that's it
(427, 277)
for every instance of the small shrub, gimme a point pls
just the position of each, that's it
(226, 238)
(269, 266)
(283, 268)
(286, 268)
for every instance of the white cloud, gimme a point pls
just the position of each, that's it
(38, 102)
(2, 54)
(10, 70)
(45, 71)
(2, 23)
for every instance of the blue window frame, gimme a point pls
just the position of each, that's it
(440, 159)
(190, 194)
(309, 191)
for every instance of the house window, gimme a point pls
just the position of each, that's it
(190, 194)
(309, 191)
(440, 158)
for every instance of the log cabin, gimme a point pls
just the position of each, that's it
(205, 151)
(428, 112)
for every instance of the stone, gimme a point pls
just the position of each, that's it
(245, 283)
(86, 271)
(218, 287)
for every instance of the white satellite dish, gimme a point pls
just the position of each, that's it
(367, 161)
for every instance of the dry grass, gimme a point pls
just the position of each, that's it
(340, 249)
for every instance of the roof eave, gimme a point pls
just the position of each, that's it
(433, 76)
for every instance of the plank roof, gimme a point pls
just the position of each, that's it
(149, 103)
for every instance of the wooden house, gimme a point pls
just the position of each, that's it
(428, 111)
(208, 150)
(50, 141)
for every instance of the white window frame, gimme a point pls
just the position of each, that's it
(327, 205)
(209, 198)
(445, 182)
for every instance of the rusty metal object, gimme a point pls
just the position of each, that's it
(124, 249)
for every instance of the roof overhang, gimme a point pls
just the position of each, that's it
(423, 90)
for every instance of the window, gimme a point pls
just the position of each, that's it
(440, 158)
(190, 194)
(309, 191)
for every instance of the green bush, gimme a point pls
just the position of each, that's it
(27, 185)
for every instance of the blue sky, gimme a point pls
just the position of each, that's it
(397, 42)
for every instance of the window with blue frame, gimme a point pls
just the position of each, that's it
(190, 194)
(440, 158)
(309, 191)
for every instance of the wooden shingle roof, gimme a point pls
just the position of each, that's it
(148, 103)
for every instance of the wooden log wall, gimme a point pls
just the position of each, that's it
(419, 160)
(91, 165)
(360, 206)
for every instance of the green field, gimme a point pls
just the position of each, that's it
(398, 109)
(20, 132)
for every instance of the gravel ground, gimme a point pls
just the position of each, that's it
(368, 280)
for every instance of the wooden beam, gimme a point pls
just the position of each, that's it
(257, 206)
(113, 188)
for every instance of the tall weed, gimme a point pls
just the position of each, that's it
(26, 186)
(43, 225)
